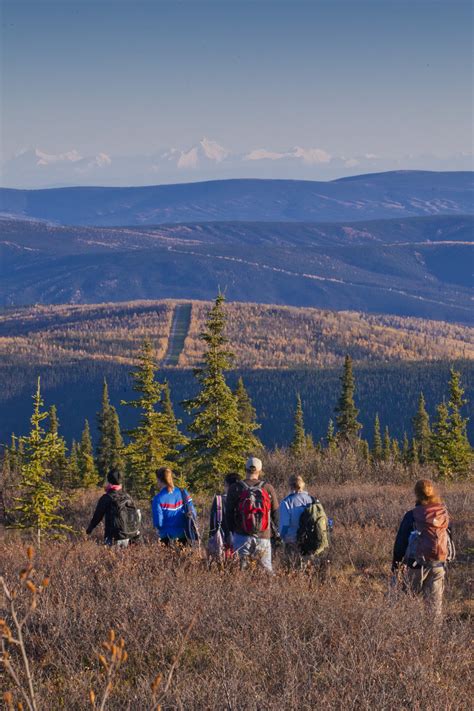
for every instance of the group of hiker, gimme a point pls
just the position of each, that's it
(247, 521)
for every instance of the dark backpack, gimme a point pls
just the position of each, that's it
(216, 544)
(126, 516)
(254, 507)
(313, 530)
(191, 529)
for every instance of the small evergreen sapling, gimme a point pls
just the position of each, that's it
(38, 505)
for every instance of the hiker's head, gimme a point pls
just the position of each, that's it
(426, 492)
(165, 477)
(253, 467)
(114, 477)
(296, 483)
(230, 480)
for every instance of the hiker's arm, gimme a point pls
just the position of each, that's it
(401, 541)
(230, 509)
(99, 514)
(213, 517)
(275, 507)
(284, 519)
(189, 502)
(157, 514)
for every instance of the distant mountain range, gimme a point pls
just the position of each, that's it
(414, 266)
(205, 160)
(377, 196)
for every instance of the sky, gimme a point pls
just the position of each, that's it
(179, 89)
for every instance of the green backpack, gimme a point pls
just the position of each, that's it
(313, 530)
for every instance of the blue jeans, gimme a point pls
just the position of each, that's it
(253, 548)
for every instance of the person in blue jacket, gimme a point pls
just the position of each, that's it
(173, 511)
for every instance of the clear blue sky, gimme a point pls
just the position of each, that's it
(127, 77)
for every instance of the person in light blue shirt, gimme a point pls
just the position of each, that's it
(171, 510)
(291, 509)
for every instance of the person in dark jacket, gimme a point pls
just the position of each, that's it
(229, 480)
(255, 545)
(105, 509)
(421, 545)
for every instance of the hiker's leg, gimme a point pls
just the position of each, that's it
(433, 589)
(263, 549)
(243, 546)
(122, 544)
(414, 580)
(292, 556)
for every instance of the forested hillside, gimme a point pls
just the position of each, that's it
(417, 266)
(261, 336)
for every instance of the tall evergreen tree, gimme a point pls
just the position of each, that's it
(247, 412)
(396, 454)
(110, 444)
(450, 446)
(155, 441)
(88, 475)
(331, 440)
(422, 430)
(377, 444)
(387, 446)
(364, 450)
(298, 443)
(221, 440)
(59, 469)
(346, 411)
(38, 505)
(460, 451)
(74, 475)
(405, 449)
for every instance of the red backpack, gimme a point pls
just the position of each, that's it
(254, 508)
(429, 541)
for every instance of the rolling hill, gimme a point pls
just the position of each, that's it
(415, 266)
(397, 194)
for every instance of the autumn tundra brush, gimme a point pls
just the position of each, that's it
(241, 640)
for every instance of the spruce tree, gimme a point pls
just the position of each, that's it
(298, 443)
(450, 448)
(59, 469)
(396, 454)
(110, 444)
(247, 412)
(221, 440)
(422, 431)
(155, 441)
(377, 445)
(331, 440)
(346, 411)
(38, 505)
(73, 466)
(364, 450)
(88, 475)
(387, 446)
(405, 449)
(460, 452)
(413, 453)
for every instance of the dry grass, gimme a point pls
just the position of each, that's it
(289, 642)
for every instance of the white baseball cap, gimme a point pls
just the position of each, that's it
(253, 463)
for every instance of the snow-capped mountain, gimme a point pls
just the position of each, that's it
(205, 160)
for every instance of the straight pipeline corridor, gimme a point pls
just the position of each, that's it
(179, 330)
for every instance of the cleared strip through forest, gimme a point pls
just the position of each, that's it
(178, 332)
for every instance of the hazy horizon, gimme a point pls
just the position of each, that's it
(116, 92)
